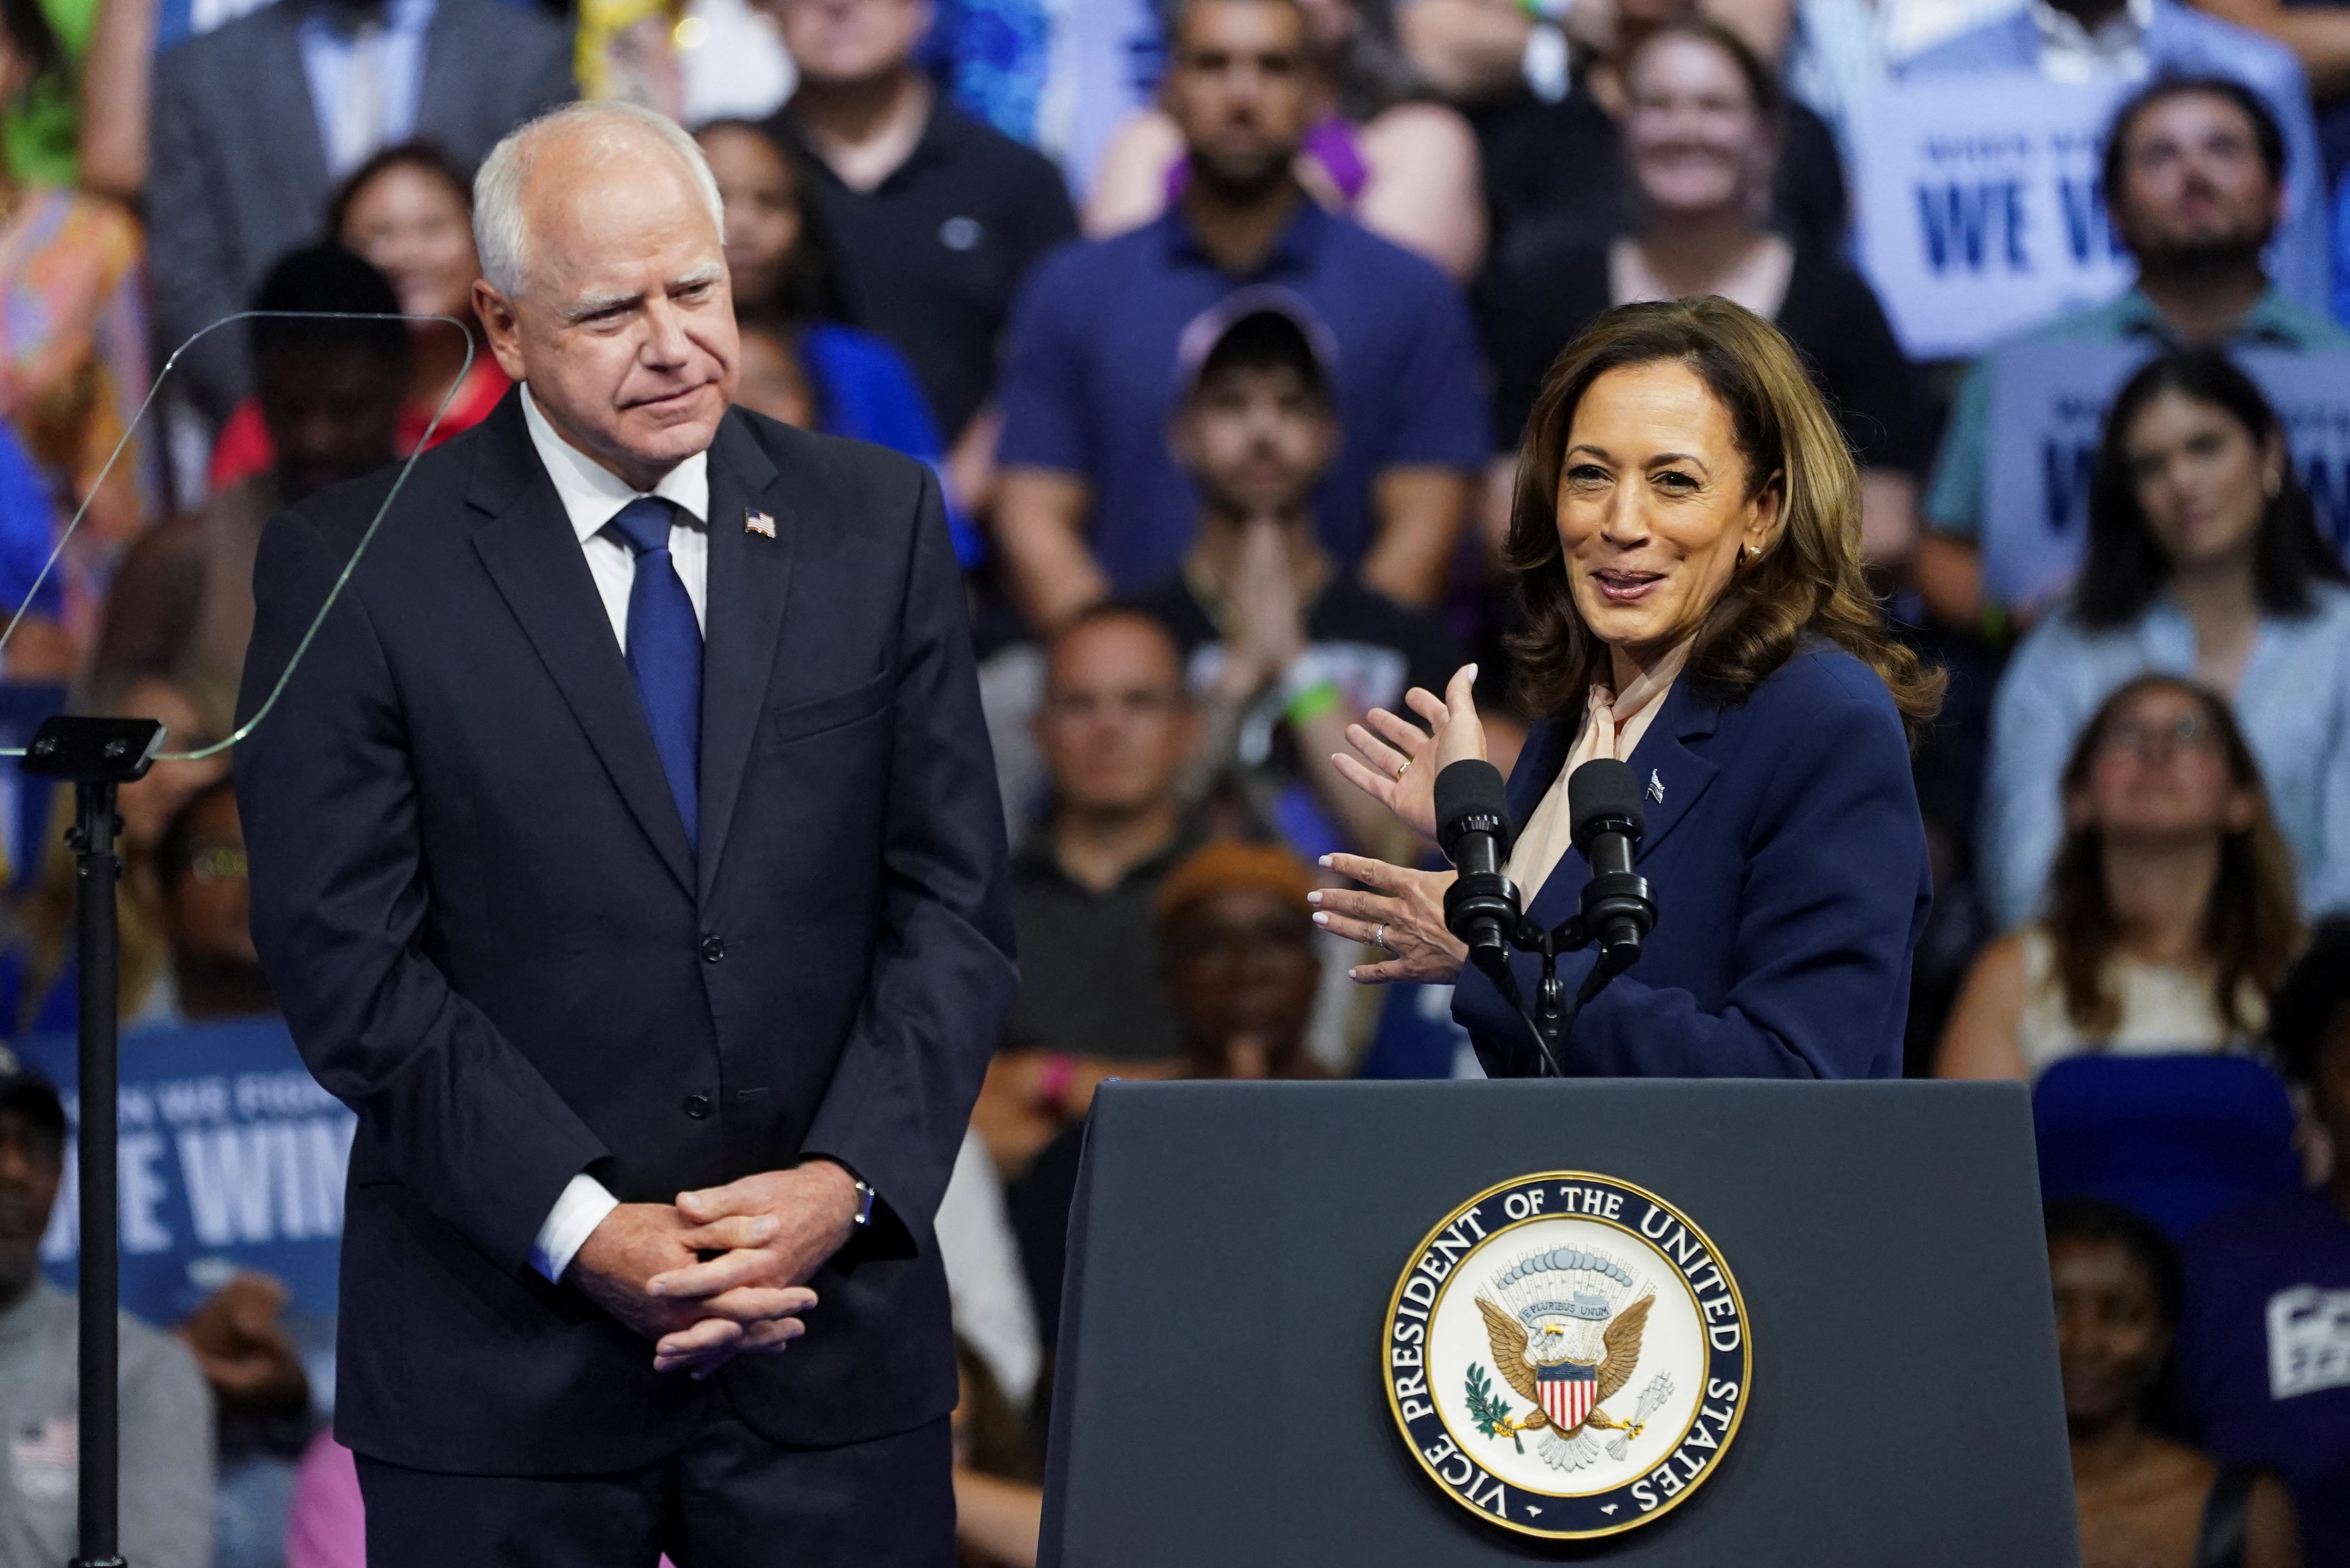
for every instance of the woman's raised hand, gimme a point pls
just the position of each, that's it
(1396, 763)
(1402, 914)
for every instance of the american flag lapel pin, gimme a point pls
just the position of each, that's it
(1656, 787)
(758, 522)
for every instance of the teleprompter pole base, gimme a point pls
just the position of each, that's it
(96, 756)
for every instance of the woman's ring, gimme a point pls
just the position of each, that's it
(1404, 767)
(1380, 938)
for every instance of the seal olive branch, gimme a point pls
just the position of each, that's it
(1491, 1414)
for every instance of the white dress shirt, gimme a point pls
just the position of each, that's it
(592, 497)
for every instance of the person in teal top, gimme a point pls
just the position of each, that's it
(2204, 563)
(2195, 183)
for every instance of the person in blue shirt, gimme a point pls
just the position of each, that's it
(2196, 181)
(2203, 562)
(1090, 502)
(39, 651)
(799, 364)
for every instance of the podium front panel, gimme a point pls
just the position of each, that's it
(1234, 1249)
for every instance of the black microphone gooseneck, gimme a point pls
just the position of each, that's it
(1473, 816)
(1603, 802)
(1482, 906)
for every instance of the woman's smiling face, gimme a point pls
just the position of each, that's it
(1654, 504)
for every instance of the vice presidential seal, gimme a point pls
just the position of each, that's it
(1567, 1356)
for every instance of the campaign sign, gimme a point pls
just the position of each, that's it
(232, 1157)
(2048, 411)
(1979, 207)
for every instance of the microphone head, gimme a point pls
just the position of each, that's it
(1471, 794)
(1602, 795)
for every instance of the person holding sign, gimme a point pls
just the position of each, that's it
(2078, 42)
(2203, 563)
(2195, 181)
(1686, 541)
(1704, 118)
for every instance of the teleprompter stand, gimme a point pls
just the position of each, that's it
(1220, 1394)
(97, 757)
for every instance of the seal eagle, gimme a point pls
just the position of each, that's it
(1522, 1352)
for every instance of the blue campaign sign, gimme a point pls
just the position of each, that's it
(232, 1157)
(1979, 208)
(2048, 411)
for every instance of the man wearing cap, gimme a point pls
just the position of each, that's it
(166, 1410)
(1091, 503)
(1284, 649)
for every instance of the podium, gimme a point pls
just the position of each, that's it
(1225, 1390)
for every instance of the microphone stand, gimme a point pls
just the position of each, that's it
(97, 757)
(1615, 910)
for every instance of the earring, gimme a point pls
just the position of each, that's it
(1754, 552)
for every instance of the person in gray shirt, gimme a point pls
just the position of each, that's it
(167, 1409)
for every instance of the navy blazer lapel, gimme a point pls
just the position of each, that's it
(1671, 775)
(750, 578)
(527, 545)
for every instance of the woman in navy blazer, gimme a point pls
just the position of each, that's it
(1686, 540)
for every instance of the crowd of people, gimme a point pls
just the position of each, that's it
(1221, 323)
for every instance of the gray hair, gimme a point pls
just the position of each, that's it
(501, 234)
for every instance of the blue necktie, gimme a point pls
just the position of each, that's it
(665, 652)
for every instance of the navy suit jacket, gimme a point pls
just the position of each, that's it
(473, 893)
(1788, 863)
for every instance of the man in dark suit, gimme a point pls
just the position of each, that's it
(255, 122)
(626, 853)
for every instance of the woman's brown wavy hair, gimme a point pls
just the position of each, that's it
(1808, 579)
(2250, 929)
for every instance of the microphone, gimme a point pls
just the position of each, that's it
(1472, 825)
(1603, 802)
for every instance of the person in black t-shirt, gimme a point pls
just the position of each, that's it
(1284, 650)
(934, 218)
(1555, 174)
(1703, 121)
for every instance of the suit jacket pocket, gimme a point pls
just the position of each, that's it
(862, 700)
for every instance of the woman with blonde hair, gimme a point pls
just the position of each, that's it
(1687, 547)
(2170, 911)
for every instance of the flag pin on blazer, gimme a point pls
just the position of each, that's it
(759, 522)
(1656, 787)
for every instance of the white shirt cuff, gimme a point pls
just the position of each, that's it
(574, 1216)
